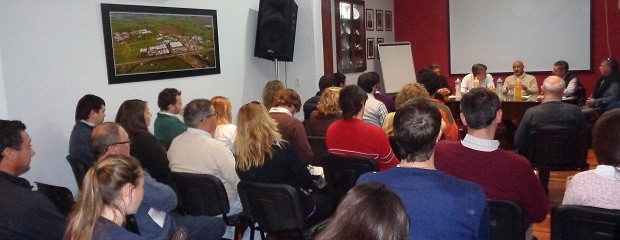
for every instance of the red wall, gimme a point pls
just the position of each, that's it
(425, 24)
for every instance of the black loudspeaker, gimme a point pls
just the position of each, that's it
(275, 31)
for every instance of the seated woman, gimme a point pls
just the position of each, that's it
(263, 156)
(327, 113)
(225, 130)
(368, 211)
(112, 189)
(600, 187)
(134, 116)
(285, 104)
(414, 90)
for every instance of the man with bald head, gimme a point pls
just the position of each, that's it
(551, 114)
(528, 82)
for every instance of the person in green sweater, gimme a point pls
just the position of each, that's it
(167, 124)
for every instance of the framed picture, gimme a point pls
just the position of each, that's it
(379, 41)
(388, 20)
(379, 15)
(370, 19)
(145, 43)
(370, 48)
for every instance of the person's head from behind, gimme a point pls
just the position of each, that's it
(479, 108)
(223, 107)
(269, 92)
(327, 80)
(553, 87)
(351, 100)
(368, 211)
(340, 79)
(479, 70)
(428, 78)
(417, 127)
(560, 69)
(256, 132)
(200, 114)
(90, 108)
(328, 103)
(287, 98)
(113, 188)
(369, 82)
(134, 116)
(109, 138)
(169, 100)
(410, 91)
(606, 139)
(608, 66)
(15, 147)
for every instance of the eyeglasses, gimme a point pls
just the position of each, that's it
(211, 115)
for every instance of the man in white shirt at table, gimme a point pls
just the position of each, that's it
(478, 71)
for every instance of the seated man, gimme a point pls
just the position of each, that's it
(573, 91)
(196, 151)
(351, 136)
(155, 216)
(478, 72)
(607, 89)
(528, 82)
(374, 110)
(285, 105)
(25, 214)
(89, 112)
(456, 209)
(326, 81)
(551, 114)
(167, 124)
(503, 175)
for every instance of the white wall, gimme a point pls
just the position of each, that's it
(52, 53)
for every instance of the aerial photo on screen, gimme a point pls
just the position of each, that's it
(156, 42)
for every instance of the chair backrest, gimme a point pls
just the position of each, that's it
(506, 220)
(61, 197)
(319, 149)
(559, 149)
(342, 172)
(78, 169)
(200, 194)
(582, 222)
(275, 207)
(395, 147)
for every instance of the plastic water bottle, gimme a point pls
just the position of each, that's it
(457, 87)
(500, 85)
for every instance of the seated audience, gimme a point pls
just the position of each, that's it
(600, 187)
(25, 214)
(135, 117)
(431, 196)
(529, 86)
(269, 92)
(326, 81)
(285, 105)
(607, 89)
(478, 72)
(438, 87)
(351, 136)
(112, 190)
(155, 217)
(503, 175)
(167, 123)
(449, 128)
(328, 112)
(264, 156)
(225, 130)
(551, 114)
(368, 211)
(573, 91)
(374, 110)
(384, 98)
(90, 111)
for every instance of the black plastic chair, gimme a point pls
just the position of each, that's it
(506, 220)
(559, 149)
(319, 149)
(582, 222)
(341, 172)
(61, 197)
(203, 194)
(276, 209)
(78, 169)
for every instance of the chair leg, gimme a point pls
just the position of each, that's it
(262, 234)
(240, 227)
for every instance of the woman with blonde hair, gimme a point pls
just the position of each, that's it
(263, 156)
(269, 92)
(328, 111)
(225, 131)
(417, 90)
(112, 189)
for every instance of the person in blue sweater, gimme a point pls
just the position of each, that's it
(439, 206)
(90, 111)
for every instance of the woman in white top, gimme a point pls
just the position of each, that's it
(600, 187)
(225, 131)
